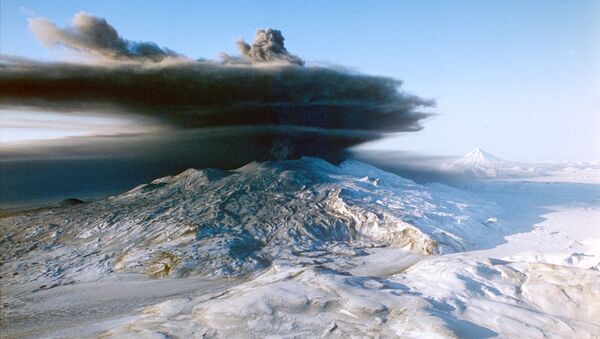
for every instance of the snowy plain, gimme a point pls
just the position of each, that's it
(303, 248)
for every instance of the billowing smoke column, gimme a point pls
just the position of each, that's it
(268, 47)
(95, 36)
(266, 97)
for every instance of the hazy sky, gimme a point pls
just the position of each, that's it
(520, 79)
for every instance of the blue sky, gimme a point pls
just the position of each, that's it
(520, 79)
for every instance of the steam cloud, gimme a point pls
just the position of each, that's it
(267, 93)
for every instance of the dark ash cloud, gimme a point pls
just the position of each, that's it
(264, 97)
(267, 47)
(96, 37)
(204, 94)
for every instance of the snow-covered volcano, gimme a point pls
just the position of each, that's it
(479, 157)
(481, 164)
(304, 248)
(221, 223)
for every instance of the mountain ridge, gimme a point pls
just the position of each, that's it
(230, 223)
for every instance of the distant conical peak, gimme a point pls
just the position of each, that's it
(480, 157)
(478, 152)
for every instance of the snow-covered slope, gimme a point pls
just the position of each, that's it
(570, 171)
(213, 222)
(303, 248)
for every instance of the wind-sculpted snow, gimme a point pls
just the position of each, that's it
(304, 248)
(229, 223)
(456, 296)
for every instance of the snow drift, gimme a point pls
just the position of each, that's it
(303, 248)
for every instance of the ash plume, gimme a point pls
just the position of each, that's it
(287, 109)
(96, 37)
(268, 47)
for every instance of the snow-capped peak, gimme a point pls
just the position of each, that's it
(479, 157)
(481, 164)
